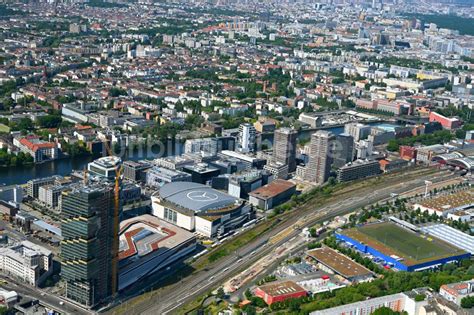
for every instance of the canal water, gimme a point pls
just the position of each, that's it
(22, 174)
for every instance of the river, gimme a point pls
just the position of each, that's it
(63, 167)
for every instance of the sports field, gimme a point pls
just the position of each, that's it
(392, 239)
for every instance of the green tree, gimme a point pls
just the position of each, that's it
(115, 92)
(467, 302)
(385, 311)
(220, 293)
(24, 125)
(49, 121)
(420, 297)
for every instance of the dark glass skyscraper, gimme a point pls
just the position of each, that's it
(87, 249)
(343, 150)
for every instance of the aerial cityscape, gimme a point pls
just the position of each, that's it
(236, 157)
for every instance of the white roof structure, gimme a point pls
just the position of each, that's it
(197, 197)
(452, 236)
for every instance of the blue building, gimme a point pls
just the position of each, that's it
(403, 263)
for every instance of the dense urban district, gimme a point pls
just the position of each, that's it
(237, 157)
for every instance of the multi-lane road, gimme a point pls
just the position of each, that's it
(169, 300)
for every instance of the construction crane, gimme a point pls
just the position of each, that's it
(115, 245)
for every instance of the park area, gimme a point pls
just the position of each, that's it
(4, 129)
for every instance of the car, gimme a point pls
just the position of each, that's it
(61, 303)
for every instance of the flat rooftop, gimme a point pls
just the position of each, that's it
(272, 189)
(452, 236)
(238, 155)
(281, 288)
(142, 235)
(451, 201)
(339, 263)
(107, 161)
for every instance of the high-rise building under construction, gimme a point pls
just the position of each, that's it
(88, 250)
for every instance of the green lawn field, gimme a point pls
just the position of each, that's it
(4, 128)
(408, 244)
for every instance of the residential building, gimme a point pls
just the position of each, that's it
(380, 136)
(357, 130)
(284, 147)
(206, 145)
(279, 170)
(27, 262)
(396, 302)
(455, 292)
(358, 169)
(449, 123)
(33, 185)
(265, 126)
(247, 139)
(38, 149)
(388, 166)
(320, 157)
(50, 195)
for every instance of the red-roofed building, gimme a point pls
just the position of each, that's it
(272, 194)
(407, 153)
(447, 122)
(455, 292)
(280, 291)
(40, 150)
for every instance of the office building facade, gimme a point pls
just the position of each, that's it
(88, 245)
(135, 171)
(343, 150)
(357, 131)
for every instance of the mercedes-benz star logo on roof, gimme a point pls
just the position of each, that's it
(202, 196)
